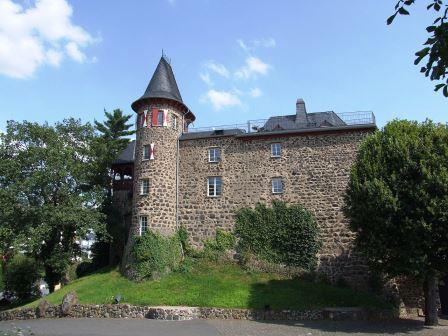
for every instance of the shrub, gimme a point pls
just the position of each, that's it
(21, 276)
(215, 248)
(156, 255)
(286, 234)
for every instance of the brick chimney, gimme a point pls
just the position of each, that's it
(301, 118)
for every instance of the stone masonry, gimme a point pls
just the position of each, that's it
(315, 171)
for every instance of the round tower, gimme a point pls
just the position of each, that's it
(161, 119)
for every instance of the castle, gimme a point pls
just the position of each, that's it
(173, 175)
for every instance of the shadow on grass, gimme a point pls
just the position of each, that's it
(303, 295)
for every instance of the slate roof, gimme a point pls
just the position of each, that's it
(162, 85)
(288, 122)
(211, 134)
(127, 155)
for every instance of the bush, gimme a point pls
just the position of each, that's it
(21, 276)
(281, 234)
(156, 255)
(215, 248)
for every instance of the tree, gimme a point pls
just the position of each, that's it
(48, 200)
(397, 201)
(436, 46)
(113, 139)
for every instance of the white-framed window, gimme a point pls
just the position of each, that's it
(144, 187)
(214, 186)
(214, 154)
(143, 225)
(160, 114)
(174, 121)
(146, 152)
(276, 150)
(277, 185)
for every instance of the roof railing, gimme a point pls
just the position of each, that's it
(277, 123)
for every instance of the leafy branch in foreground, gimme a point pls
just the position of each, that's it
(436, 46)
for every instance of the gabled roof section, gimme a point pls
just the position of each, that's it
(162, 85)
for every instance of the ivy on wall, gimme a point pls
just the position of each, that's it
(284, 234)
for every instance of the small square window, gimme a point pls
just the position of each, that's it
(146, 152)
(277, 185)
(214, 186)
(144, 187)
(276, 150)
(160, 118)
(214, 154)
(143, 227)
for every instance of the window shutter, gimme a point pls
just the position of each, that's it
(154, 117)
(165, 118)
(151, 153)
(144, 118)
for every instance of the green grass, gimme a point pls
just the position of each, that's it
(209, 284)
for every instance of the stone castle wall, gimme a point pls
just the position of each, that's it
(315, 170)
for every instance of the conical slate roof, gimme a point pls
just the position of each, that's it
(162, 85)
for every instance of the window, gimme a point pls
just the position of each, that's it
(144, 187)
(214, 154)
(159, 118)
(146, 152)
(277, 185)
(214, 186)
(174, 121)
(143, 225)
(276, 150)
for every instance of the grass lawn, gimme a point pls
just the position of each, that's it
(210, 284)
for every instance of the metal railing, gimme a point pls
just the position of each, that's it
(278, 123)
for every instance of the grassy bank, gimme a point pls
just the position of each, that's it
(210, 284)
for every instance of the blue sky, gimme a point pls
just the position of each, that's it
(233, 60)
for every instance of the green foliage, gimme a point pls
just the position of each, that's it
(397, 198)
(156, 255)
(21, 276)
(215, 249)
(280, 234)
(47, 199)
(436, 46)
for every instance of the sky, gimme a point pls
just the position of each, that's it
(233, 60)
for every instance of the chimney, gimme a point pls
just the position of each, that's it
(301, 118)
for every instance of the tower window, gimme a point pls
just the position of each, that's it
(214, 154)
(174, 121)
(144, 187)
(146, 152)
(159, 118)
(276, 150)
(214, 185)
(277, 185)
(143, 225)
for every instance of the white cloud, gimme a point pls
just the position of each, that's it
(255, 93)
(206, 78)
(218, 68)
(263, 43)
(221, 99)
(253, 67)
(39, 34)
(74, 52)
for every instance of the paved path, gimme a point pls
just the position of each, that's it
(129, 327)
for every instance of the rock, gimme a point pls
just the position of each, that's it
(68, 301)
(41, 310)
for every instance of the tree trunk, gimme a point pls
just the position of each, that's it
(430, 288)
